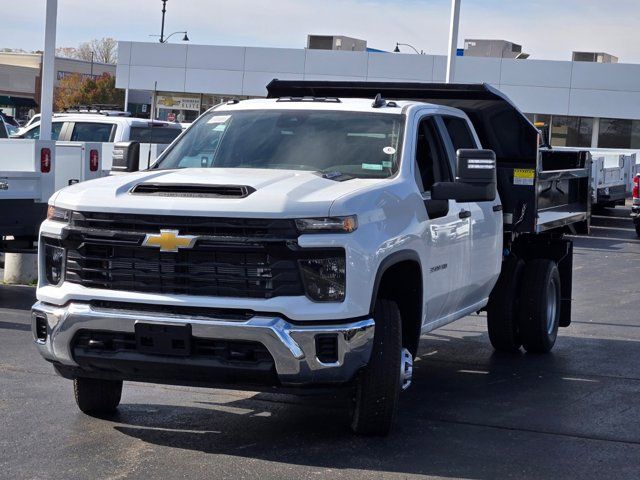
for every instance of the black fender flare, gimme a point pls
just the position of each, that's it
(387, 262)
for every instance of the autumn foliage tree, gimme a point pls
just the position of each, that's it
(75, 90)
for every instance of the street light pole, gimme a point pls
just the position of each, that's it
(453, 40)
(48, 69)
(397, 49)
(164, 10)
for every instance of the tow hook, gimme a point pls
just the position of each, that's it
(406, 369)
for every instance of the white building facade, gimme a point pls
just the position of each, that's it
(585, 104)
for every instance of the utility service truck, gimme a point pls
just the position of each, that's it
(30, 172)
(305, 242)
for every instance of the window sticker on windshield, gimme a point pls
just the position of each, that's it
(371, 166)
(387, 164)
(389, 150)
(219, 119)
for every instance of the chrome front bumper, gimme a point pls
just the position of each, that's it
(291, 346)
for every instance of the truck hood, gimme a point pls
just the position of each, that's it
(274, 193)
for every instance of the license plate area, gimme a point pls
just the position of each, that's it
(163, 339)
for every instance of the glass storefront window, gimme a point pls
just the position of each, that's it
(619, 133)
(571, 131)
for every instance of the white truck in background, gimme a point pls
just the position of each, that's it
(31, 171)
(611, 177)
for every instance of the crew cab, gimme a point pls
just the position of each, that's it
(306, 241)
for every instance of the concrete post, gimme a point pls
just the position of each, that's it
(48, 70)
(20, 268)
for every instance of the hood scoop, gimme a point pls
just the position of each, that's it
(192, 190)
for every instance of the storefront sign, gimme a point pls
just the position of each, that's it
(178, 102)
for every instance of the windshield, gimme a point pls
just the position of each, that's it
(353, 143)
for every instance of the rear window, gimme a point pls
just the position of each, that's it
(92, 132)
(163, 135)
(459, 132)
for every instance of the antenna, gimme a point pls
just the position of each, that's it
(379, 101)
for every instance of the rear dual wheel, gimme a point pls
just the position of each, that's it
(524, 307)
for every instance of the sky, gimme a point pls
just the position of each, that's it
(547, 29)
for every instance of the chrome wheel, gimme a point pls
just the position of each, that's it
(552, 305)
(406, 369)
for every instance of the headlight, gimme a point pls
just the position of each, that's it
(324, 278)
(54, 264)
(58, 214)
(327, 225)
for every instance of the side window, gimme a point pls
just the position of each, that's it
(34, 133)
(91, 132)
(461, 136)
(431, 156)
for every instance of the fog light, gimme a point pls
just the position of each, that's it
(41, 328)
(54, 264)
(324, 278)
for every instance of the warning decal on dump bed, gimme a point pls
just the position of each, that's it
(523, 176)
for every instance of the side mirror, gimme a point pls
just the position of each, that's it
(476, 179)
(126, 157)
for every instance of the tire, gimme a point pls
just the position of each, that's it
(539, 310)
(378, 387)
(637, 225)
(502, 310)
(97, 396)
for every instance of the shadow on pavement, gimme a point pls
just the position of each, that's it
(505, 416)
(17, 297)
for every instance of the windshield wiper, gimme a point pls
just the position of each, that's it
(335, 175)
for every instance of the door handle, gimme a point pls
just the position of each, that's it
(464, 214)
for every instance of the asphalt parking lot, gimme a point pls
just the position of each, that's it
(471, 413)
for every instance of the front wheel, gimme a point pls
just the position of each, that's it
(97, 396)
(379, 385)
(539, 309)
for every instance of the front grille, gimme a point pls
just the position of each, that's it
(245, 258)
(249, 228)
(251, 272)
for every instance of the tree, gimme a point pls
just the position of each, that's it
(67, 52)
(75, 90)
(105, 50)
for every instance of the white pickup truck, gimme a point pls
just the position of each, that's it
(306, 242)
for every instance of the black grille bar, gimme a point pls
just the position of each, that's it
(209, 226)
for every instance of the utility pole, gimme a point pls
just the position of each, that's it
(453, 40)
(48, 69)
(164, 10)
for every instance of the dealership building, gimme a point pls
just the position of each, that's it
(590, 101)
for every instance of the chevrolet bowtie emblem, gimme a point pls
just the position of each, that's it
(169, 240)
